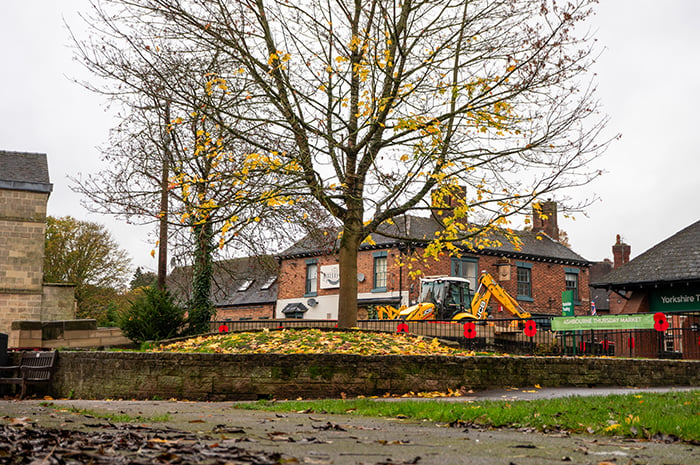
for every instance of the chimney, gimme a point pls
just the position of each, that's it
(621, 253)
(544, 219)
(443, 203)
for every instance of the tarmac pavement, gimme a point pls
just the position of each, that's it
(314, 438)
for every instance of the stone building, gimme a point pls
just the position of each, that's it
(24, 192)
(536, 272)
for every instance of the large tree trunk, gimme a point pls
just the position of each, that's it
(349, 245)
(201, 309)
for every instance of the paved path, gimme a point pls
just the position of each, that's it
(312, 438)
(553, 393)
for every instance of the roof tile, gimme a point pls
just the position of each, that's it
(674, 259)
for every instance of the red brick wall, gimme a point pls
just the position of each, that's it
(547, 279)
(254, 312)
(547, 282)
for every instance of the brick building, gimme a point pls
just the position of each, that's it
(24, 192)
(666, 279)
(242, 288)
(603, 299)
(536, 272)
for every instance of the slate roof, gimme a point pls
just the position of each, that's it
(236, 282)
(534, 246)
(676, 259)
(24, 171)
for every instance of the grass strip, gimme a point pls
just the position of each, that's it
(644, 415)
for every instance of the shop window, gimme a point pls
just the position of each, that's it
(466, 268)
(524, 276)
(380, 272)
(571, 278)
(311, 278)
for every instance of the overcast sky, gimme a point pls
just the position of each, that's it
(648, 83)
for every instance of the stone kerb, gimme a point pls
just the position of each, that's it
(131, 375)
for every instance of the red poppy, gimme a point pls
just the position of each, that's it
(660, 322)
(402, 328)
(630, 343)
(223, 329)
(530, 328)
(469, 330)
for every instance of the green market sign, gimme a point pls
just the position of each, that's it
(577, 323)
(674, 300)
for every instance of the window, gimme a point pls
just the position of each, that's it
(466, 268)
(524, 275)
(271, 280)
(571, 277)
(311, 278)
(380, 271)
(245, 285)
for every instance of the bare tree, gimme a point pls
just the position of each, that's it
(168, 162)
(377, 108)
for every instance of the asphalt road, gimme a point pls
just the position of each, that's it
(313, 438)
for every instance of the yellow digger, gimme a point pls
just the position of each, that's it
(449, 298)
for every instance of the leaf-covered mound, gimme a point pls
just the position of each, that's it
(313, 341)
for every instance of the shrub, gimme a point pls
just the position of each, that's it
(152, 316)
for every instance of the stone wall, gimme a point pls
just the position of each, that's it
(64, 334)
(130, 375)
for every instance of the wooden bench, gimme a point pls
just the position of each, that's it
(34, 368)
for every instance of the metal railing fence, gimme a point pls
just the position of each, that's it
(528, 337)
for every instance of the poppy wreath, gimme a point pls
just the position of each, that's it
(660, 322)
(223, 329)
(530, 328)
(469, 330)
(402, 328)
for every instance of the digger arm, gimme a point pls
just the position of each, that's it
(388, 312)
(488, 288)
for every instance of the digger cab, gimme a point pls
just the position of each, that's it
(450, 295)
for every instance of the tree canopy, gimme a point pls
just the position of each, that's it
(84, 254)
(372, 109)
